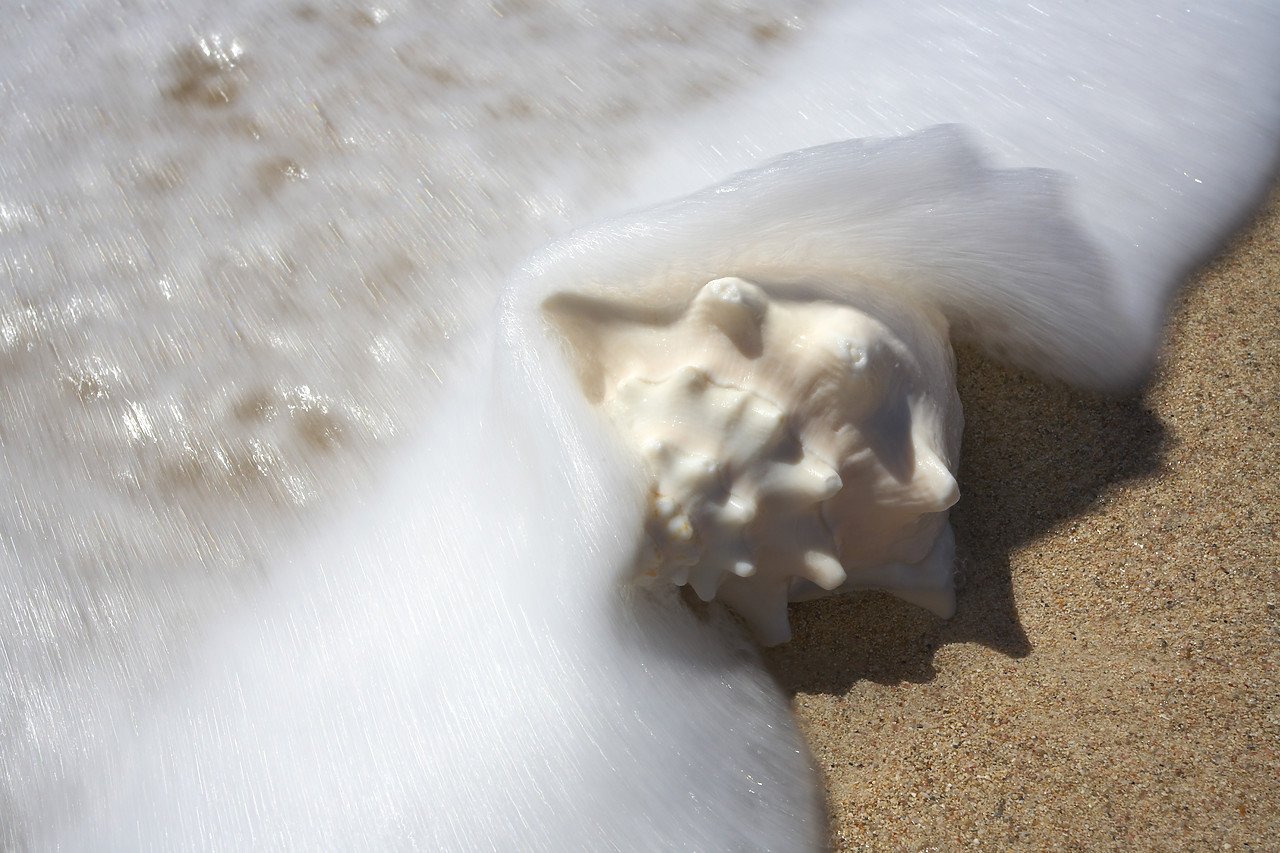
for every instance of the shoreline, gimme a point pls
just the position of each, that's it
(1109, 680)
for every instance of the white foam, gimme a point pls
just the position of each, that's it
(457, 665)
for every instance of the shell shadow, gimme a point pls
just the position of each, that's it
(1035, 454)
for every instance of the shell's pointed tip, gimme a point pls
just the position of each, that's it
(736, 307)
(824, 481)
(824, 569)
(937, 486)
(737, 293)
(704, 585)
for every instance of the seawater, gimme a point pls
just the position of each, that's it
(264, 549)
(237, 244)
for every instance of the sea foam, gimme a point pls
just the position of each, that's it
(457, 662)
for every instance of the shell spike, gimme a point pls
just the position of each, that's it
(824, 569)
(809, 482)
(937, 486)
(737, 308)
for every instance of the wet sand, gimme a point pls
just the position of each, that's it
(1110, 679)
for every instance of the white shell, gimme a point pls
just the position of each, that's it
(791, 447)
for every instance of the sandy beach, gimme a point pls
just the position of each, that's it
(1110, 679)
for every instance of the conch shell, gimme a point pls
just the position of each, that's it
(791, 447)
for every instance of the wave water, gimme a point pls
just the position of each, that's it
(234, 238)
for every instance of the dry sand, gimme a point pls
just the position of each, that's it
(1110, 680)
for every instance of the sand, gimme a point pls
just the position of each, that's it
(1110, 679)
